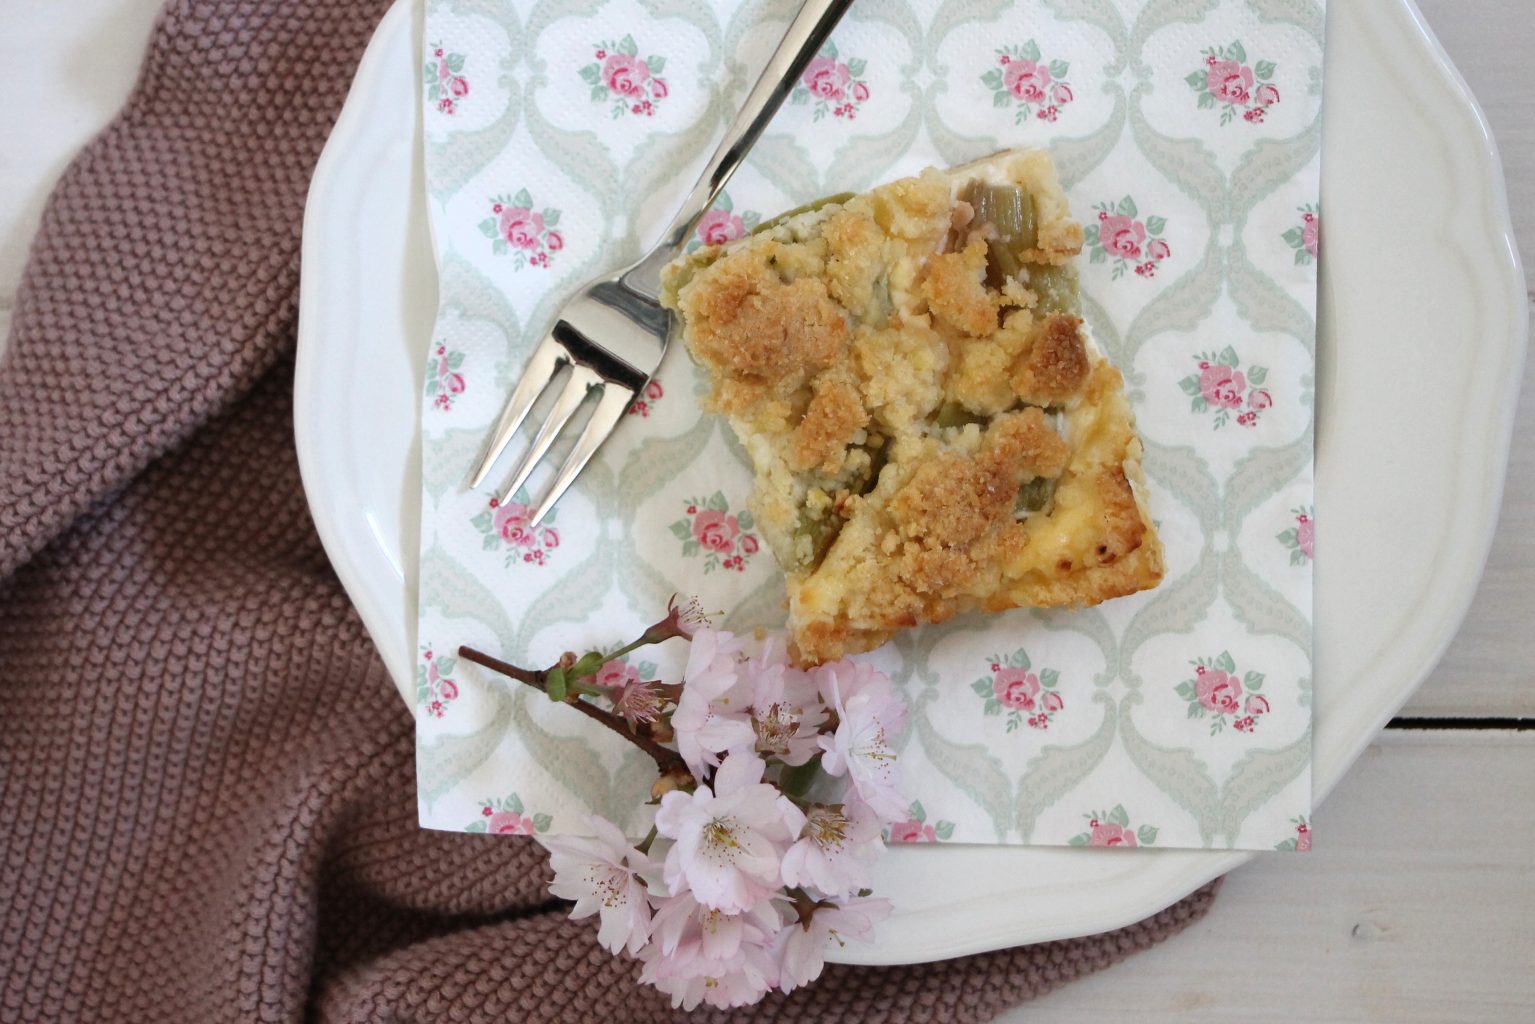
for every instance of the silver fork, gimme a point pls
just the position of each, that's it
(609, 339)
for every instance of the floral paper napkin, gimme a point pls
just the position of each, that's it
(559, 137)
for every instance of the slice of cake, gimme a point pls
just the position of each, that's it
(932, 428)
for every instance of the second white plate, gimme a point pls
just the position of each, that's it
(1421, 342)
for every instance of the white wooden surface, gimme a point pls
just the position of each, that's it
(1417, 902)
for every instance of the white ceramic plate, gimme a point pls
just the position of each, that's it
(1422, 339)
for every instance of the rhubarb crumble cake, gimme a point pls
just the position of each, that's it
(932, 429)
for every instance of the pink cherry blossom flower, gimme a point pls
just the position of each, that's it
(1121, 236)
(714, 710)
(1218, 691)
(1016, 688)
(1267, 95)
(860, 92)
(738, 981)
(1222, 385)
(720, 226)
(1311, 234)
(802, 948)
(521, 227)
(834, 849)
(625, 74)
(1027, 80)
(1230, 82)
(1158, 250)
(509, 823)
(603, 876)
(912, 831)
(786, 710)
(729, 838)
(870, 716)
(686, 930)
(826, 78)
(1305, 536)
(1106, 833)
(715, 530)
(639, 701)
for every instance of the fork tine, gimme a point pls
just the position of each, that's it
(610, 409)
(547, 359)
(577, 385)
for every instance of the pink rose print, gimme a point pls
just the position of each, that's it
(833, 85)
(1306, 239)
(1023, 80)
(443, 381)
(1106, 833)
(515, 227)
(625, 74)
(615, 675)
(1016, 688)
(1301, 538)
(827, 78)
(715, 531)
(1026, 80)
(912, 832)
(521, 227)
(1230, 82)
(1121, 236)
(509, 823)
(1301, 841)
(507, 817)
(722, 224)
(508, 526)
(711, 530)
(445, 87)
(1226, 81)
(643, 405)
(434, 689)
(1220, 385)
(1217, 692)
(916, 829)
(1112, 828)
(1015, 691)
(621, 77)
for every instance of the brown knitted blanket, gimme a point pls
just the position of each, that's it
(206, 785)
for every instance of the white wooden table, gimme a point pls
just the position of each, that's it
(1417, 902)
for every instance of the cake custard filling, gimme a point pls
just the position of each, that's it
(931, 427)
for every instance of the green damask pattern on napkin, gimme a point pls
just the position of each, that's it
(559, 138)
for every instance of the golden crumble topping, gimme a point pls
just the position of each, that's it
(932, 430)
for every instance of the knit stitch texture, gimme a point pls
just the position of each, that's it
(206, 779)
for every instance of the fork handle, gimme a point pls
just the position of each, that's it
(807, 33)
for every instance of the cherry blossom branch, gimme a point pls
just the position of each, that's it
(667, 761)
